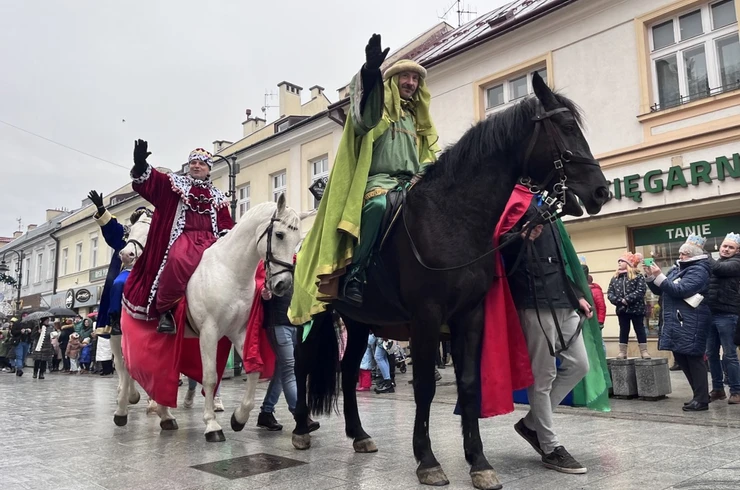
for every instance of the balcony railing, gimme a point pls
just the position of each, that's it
(685, 99)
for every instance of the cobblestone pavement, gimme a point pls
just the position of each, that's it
(58, 433)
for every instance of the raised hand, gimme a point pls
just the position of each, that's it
(374, 53)
(96, 199)
(141, 152)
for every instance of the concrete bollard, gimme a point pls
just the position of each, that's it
(653, 378)
(624, 381)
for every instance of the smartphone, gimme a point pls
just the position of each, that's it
(649, 262)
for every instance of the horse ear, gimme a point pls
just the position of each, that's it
(281, 204)
(543, 92)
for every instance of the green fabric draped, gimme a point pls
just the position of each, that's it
(593, 390)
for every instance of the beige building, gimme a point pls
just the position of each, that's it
(658, 83)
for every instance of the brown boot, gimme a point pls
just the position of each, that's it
(644, 352)
(715, 395)
(622, 351)
(734, 399)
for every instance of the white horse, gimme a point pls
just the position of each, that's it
(220, 293)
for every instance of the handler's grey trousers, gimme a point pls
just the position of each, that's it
(551, 384)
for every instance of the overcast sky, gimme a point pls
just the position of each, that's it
(181, 73)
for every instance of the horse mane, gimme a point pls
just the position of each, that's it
(289, 218)
(500, 133)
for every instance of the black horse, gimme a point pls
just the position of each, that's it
(450, 216)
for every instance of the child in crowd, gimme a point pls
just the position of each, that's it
(73, 353)
(85, 356)
(57, 351)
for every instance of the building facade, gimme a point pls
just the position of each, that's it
(659, 85)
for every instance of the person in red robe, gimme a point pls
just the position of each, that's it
(190, 214)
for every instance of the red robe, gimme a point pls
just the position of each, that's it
(505, 365)
(258, 355)
(173, 197)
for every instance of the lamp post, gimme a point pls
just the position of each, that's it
(233, 168)
(5, 269)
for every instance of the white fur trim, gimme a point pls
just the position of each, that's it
(144, 177)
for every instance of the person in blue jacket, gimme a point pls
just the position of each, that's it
(686, 316)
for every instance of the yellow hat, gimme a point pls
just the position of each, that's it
(14, 319)
(405, 65)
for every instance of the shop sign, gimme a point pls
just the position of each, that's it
(98, 274)
(82, 296)
(677, 232)
(69, 299)
(657, 181)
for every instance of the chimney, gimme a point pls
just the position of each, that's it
(16, 234)
(316, 91)
(53, 213)
(290, 99)
(31, 227)
(219, 145)
(252, 124)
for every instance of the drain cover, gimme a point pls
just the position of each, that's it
(251, 465)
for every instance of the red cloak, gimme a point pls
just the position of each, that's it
(258, 355)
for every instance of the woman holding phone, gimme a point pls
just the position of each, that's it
(686, 316)
(627, 293)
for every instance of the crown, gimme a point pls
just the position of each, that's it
(696, 240)
(733, 237)
(202, 155)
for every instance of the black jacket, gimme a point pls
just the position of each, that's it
(276, 309)
(724, 286)
(621, 287)
(549, 279)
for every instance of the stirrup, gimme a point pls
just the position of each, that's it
(167, 323)
(352, 292)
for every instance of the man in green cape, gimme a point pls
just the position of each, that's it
(388, 139)
(549, 289)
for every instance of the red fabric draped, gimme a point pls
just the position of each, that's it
(258, 355)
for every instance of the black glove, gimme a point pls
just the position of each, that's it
(141, 153)
(97, 199)
(374, 53)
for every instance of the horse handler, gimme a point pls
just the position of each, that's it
(553, 300)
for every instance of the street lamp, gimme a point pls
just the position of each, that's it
(5, 269)
(233, 168)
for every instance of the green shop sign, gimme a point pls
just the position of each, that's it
(657, 181)
(677, 232)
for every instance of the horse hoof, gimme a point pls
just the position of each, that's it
(432, 476)
(170, 424)
(134, 399)
(120, 420)
(486, 480)
(235, 425)
(365, 446)
(216, 436)
(301, 441)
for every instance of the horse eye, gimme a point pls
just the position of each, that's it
(279, 235)
(570, 128)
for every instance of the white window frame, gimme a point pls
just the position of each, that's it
(277, 187)
(78, 257)
(506, 83)
(323, 171)
(243, 195)
(39, 267)
(708, 39)
(93, 251)
(27, 270)
(52, 264)
(65, 260)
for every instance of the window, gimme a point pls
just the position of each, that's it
(52, 264)
(39, 266)
(695, 54)
(242, 204)
(319, 169)
(78, 257)
(27, 270)
(93, 252)
(512, 89)
(279, 185)
(65, 256)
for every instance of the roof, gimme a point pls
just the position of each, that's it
(40, 230)
(486, 27)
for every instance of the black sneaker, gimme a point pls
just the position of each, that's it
(561, 460)
(313, 425)
(167, 323)
(437, 376)
(267, 421)
(353, 292)
(529, 435)
(384, 386)
(19, 372)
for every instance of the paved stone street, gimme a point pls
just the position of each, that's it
(58, 434)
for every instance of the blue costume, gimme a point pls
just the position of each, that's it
(114, 234)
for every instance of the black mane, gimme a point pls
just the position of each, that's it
(502, 133)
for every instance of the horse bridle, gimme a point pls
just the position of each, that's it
(560, 156)
(269, 257)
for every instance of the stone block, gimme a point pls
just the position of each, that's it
(624, 381)
(653, 378)
(609, 368)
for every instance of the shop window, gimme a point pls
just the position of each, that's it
(695, 54)
(662, 243)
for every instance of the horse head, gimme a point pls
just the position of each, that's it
(558, 157)
(277, 238)
(141, 221)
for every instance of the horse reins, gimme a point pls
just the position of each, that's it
(269, 257)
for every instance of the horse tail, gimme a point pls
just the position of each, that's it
(323, 373)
